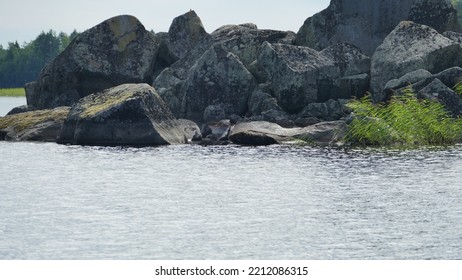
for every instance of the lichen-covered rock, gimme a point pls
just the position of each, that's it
(300, 75)
(129, 114)
(217, 77)
(117, 51)
(39, 125)
(260, 100)
(184, 34)
(293, 72)
(261, 133)
(366, 23)
(246, 40)
(243, 41)
(408, 48)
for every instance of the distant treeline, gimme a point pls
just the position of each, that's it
(458, 5)
(20, 64)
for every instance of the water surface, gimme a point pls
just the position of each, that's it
(192, 202)
(8, 103)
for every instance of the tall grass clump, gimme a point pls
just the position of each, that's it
(458, 88)
(405, 120)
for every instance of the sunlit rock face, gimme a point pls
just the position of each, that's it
(116, 51)
(366, 23)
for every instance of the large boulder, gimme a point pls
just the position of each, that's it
(218, 77)
(301, 75)
(366, 23)
(129, 114)
(117, 51)
(184, 34)
(260, 133)
(39, 125)
(410, 47)
(245, 40)
(238, 43)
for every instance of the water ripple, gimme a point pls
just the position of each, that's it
(193, 202)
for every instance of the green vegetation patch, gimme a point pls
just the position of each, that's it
(98, 103)
(406, 120)
(19, 92)
(30, 119)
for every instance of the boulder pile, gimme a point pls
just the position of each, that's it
(129, 86)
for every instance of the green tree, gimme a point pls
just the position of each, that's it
(47, 45)
(458, 5)
(22, 64)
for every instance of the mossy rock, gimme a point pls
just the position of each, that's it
(41, 125)
(129, 114)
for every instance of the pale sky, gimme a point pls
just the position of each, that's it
(23, 20)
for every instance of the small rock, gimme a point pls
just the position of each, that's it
(21, 109)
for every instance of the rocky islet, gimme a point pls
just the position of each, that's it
(270, 86)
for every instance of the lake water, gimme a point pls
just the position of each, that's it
(8, 103)
(193, 202)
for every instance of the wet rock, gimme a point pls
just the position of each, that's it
(40, 125)
(365, 24)
(408, 48)
(117, 51)
(129, 114)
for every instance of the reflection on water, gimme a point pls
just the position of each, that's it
(192, 202)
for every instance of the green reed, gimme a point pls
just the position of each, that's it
(405, 120)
